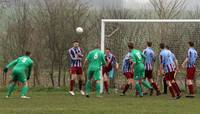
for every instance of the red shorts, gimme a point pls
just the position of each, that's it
(149, 74)
(76, 70)
(106, 69)
(169, 76)
(191, 73)
(128, 75)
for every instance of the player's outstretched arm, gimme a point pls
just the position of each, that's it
(184, 63)
(73, 56)
(11, 64)
(117, 66)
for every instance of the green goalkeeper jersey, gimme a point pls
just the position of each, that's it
(137, 57)
(96, 59)
(21, 64)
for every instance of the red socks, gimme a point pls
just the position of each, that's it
(72, 82)
(171, 91)
(176, 89)
(154, 85)
(191, 89)
(106, 85)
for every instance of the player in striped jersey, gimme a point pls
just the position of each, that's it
(127, 69)
(111, 61)
(191, 68)
(149, 63)
(167, 66)
(173, 57)
(76, 56)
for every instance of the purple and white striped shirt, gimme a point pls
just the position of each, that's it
(75, 57)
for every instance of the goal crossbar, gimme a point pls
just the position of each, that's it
(151, 20)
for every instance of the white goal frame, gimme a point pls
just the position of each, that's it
(104, 21)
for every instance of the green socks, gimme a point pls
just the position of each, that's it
(11, 88)
(88, 86)
(24, 90)
(138, 88)
(98, 89)
(146, 84)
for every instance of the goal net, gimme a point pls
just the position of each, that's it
(116, 33)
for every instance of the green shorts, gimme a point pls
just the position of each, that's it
(95, 74)
(19, 76)
(139, 72)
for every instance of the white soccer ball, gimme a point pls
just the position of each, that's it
(79, 30)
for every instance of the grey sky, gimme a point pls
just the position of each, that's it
(135, 4)
(190, 4)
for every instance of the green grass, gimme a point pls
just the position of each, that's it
(56, 102)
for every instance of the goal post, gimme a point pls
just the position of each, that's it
(105, 21)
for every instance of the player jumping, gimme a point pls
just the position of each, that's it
(96, 59)
(149, 63)
(167, 66)
(21, 72)
(76, 71)
(191, 68)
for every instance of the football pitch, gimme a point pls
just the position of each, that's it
(57, 102)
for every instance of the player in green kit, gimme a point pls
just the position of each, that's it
(96, 59)
(139, 71)
(21, 72)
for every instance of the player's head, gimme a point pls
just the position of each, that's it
(167, 47)
(76, 43)
(162, 46)
(107, 51)
(130, 46)
(149, 44)
(28, 53)
(191, 44)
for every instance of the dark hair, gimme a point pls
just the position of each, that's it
(107, 48)
(162, 45)
(149, 44)
(27, 53)
(191, 44)
(75, 41)
(130, 45)
(167, 47)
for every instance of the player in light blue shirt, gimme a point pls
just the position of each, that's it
(168, 66)
(149, 63)
(190, 62)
